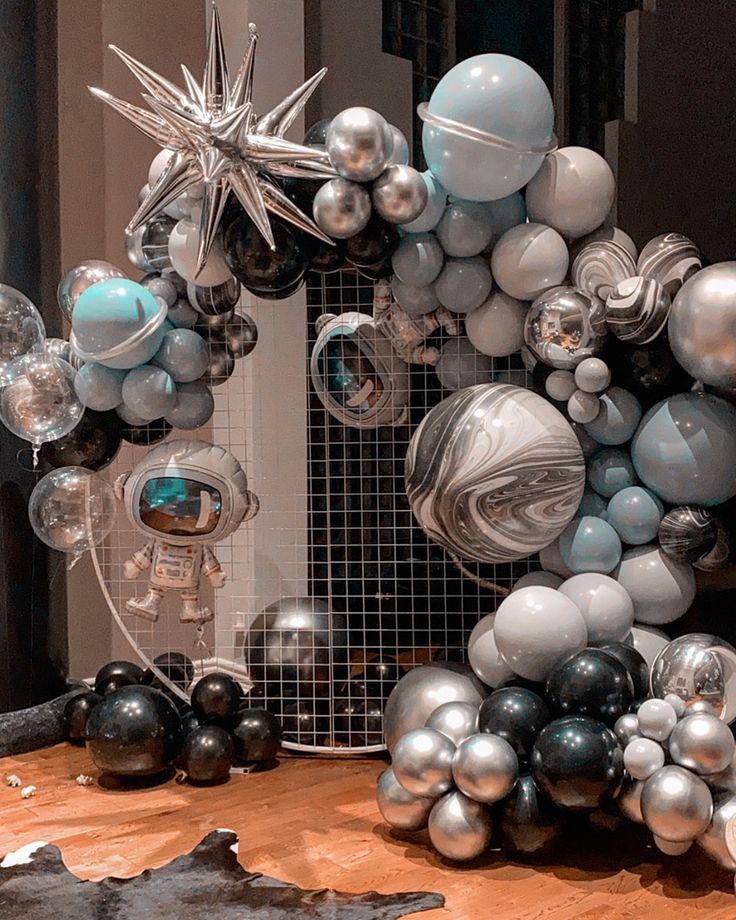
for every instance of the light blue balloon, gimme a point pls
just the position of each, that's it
(610, 470)
(591, 505)
(149, 392)
(418, 259)
(465, 228)
(505, 213)
(635, 513)
(130, 418)
(500, 96)
(433, 209)
(183, 354)
(194, 406)
(590, 544)
(99, 387)
(685, 449)
(463, 284)
(416, 301)
(618, 417)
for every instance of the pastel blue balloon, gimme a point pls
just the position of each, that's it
(118, 323)
(99, 387)
(194, 406)
(416, 301)
(505, 213)
(433, 209)
(618, 417)
(591, 505)
(590, 544)
(149, 392)
(685, 449)
(465, 228)
(635, 513)
(503, 98)
(418, 259)
(463, 284)
(183, 354)
(182, 314)
(130, 418)
(610, 470)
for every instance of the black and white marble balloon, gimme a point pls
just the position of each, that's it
(494, 473)
(637, 310)
(599, 267)
(670, 259)
(691, 534)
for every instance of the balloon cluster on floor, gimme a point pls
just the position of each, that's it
(562, 734)
(136, 728)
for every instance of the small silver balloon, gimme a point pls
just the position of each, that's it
(400, 148)
(485, 768)
(422, 762)
(213, 301)
(160, 286)
(399, 194)
(400, 808)
(713, 840)
(241, 335)
(221, 366)
(341, 208)
(456, 720)
(564, 326)
(359, 142)
(629, 800)
(627, 728)
(698, 666)
(676, 805)
(76, 281)
(725, 781)
(656, 719)
(676, 703)
(671, 847)
(642, 757)
(459, 828)
(702, 743)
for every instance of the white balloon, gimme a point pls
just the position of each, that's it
(528, 260)
(183, 246)
(484, 656)
(606, 607)
(649, 642)
(662, 588)
(496, 327)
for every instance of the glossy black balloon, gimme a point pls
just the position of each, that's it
(188, 722)
(382, 269)
(145, 435)
(207, 755)
(577, 762)
(635, 664)
(382, 674)
(281, 293)
(359, 722)
(516, 714)
(535, 686)
(590, 683)
(305, 722)
(134, 731)
(176, 666)
(259, 267)
(93, 443)
(528, 822)
(215, 699)
(650, 372)
(375, 243)
(316, 135)
(324, 258)
(116, 674)
(76, 713)
(257, 736)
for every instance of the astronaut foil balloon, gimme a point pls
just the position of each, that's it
(184, 496)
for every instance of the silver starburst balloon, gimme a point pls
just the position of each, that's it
(216, 138)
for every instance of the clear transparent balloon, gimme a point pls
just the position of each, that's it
(39, 402)
(21, 328)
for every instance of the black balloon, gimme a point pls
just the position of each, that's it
(650, 372)
(533, 685)
(188, 722)
(215, 699)
(259, 267)
(134, 731)
(76, 714)
(93, 443)
(221, 366)
(281, 293)
(116, 674)
(324, 258)
(517, 715)
(257, 736)
(528, 822)
(381, 676)
(634, 663)
(145, 435)
(577, 762)
(316, 135)
(359, 722)
(305, 722)
(207, 755)
(382, 269)
(176, 666)
(590, 683)
(375, 243)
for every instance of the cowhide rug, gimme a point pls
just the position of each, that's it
(207, 883)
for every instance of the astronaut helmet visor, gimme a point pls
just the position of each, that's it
(180, 507)
(349, 376)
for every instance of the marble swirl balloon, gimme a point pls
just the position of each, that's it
(670, 259)
(494, 473)
(600, 266)
(637, 310)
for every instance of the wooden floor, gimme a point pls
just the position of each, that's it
(314, 822)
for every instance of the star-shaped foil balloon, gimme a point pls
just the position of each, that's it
(217, 139)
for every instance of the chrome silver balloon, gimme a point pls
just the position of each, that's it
(671, 847)
(422, 762)
(629, 800)
(422, 690)
(642, 757)
(695, 667)
(459, 828)
(76, 281)
(399, 194)
(359, 143)
(627, 728)
(702, 743)
(564, 326)
(713, 840)
(133, 244)
(725, 781)
(221, 366)
(242, 335)
(456, 720)
(485, 768)
(341, 208)
(400, 149)
(400, 808)
(676, 805)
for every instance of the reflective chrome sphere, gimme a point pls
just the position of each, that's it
(400, 808)
(702, 743)
(341, 208)
(676, 805)
(698, 667)
(564, 326)
(459, 828)
(399, 194)
(485, 768)
(422, 762)
(713, 840)
(627, 728)
(456, 720)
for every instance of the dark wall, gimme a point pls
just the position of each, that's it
(32, 609)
